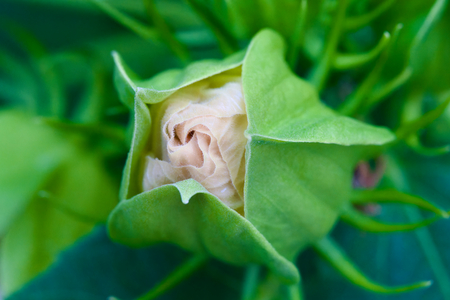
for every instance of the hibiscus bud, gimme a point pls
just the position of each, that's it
(202, 137)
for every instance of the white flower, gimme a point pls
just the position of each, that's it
(202, 137)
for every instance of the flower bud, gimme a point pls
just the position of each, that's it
(202, 137)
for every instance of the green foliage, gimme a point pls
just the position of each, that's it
(383, 63)
(202, 224)
(50, 194)
(284, 129)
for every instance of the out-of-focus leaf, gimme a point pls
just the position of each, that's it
(95, 268)
(24, 172)
(52, 192)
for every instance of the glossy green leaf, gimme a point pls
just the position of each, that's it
(330, 251)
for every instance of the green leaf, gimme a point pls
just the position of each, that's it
(23, 172)
(79, 273)
(34, 241)
(330, 251)
(204, 225)
(52, 191)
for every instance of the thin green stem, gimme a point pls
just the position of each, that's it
(355, 102)
(346, 61)
(227, 43)
(167, 35)
(181, 273)
(295, 292)
(355, 23)
(432, 18)
(298, 34)
(251, 282)
(320, 73)
(388, 88)
(132, 24)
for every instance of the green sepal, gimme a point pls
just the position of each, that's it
(163, 85)
(202, 225)
(301, 154)
(284, 107)
(299, 165)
